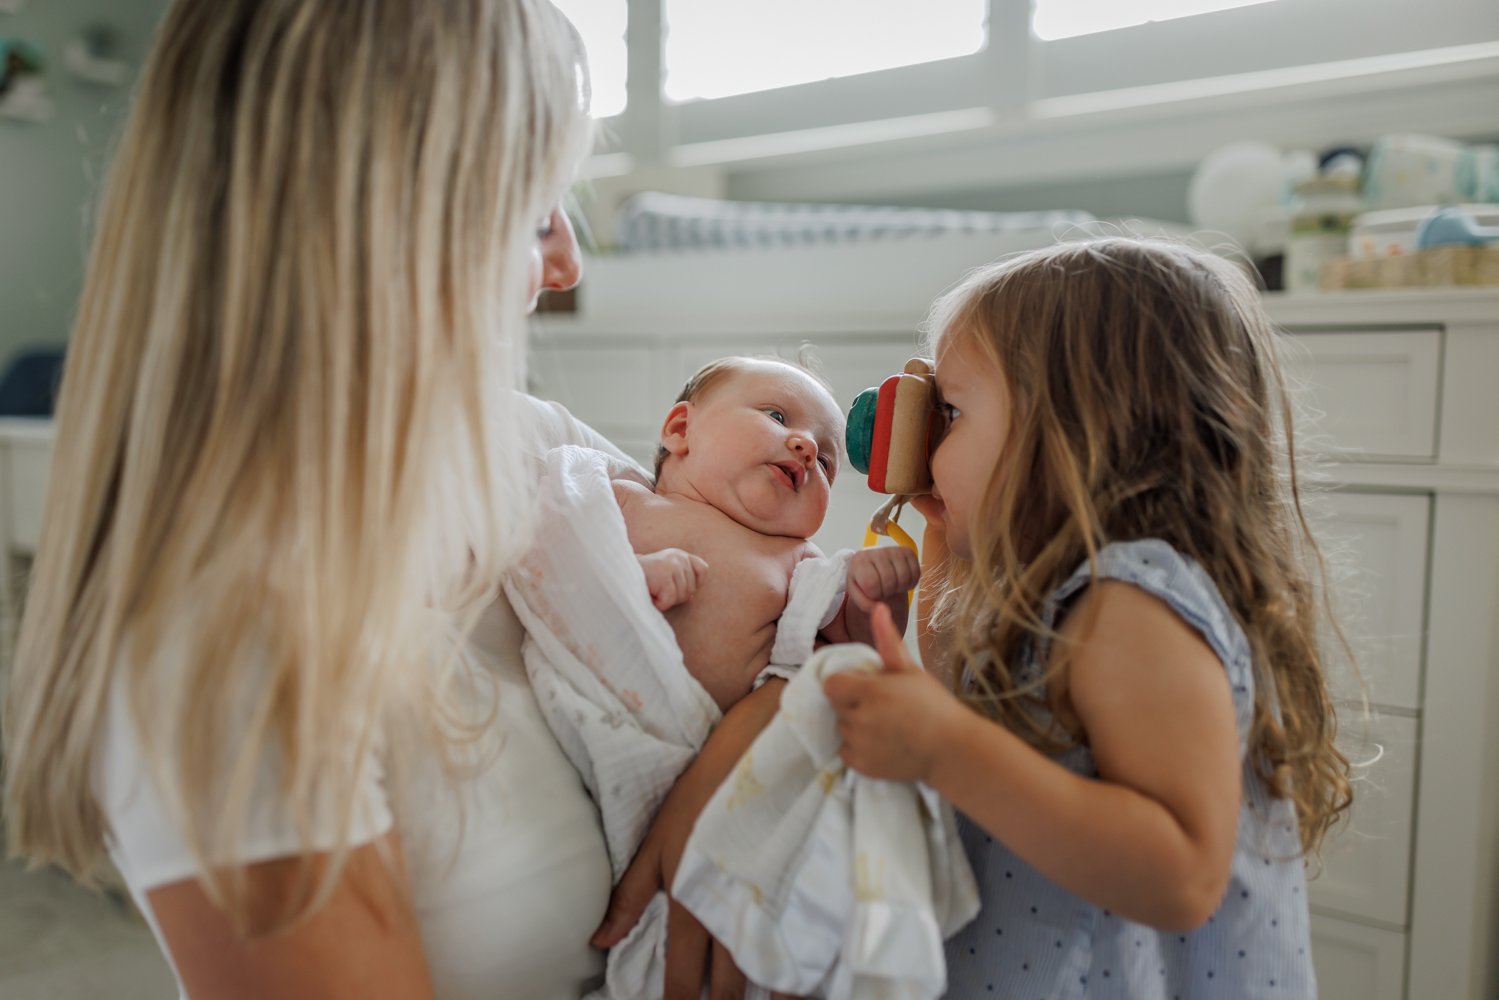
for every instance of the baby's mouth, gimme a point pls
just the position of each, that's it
(792, 472)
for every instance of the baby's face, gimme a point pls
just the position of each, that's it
(763, 446)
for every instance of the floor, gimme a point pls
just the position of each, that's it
(59, 941)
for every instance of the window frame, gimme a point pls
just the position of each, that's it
(949, 117)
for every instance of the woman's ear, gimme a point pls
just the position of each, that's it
(674, 429)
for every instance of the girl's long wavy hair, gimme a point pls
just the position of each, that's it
(282, 484)
(1146, 402)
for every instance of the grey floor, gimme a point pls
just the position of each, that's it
(59, 941)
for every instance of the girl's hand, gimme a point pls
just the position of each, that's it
(936, 647)
(934, 539)
(895, 724)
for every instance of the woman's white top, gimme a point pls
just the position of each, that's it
(506, 897)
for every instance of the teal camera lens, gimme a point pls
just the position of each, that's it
(860, 434)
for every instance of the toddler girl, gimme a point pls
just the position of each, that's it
(1138, 733)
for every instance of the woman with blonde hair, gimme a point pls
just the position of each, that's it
(261, 665)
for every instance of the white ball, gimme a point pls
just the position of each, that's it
(1234, 185)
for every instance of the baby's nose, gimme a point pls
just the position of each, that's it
(805, 447)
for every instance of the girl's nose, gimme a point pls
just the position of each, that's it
(561, 261)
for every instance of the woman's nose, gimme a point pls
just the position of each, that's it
(561, 261)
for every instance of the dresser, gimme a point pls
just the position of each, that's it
(1399, 393)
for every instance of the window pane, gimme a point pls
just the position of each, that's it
(1068, 18)
(717, 48)
(602, 25)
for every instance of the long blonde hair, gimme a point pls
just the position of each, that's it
(282, 472)
(1146, 402)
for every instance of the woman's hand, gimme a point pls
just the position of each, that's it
(895, 724)
(692, 955)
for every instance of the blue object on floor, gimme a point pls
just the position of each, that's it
(1454, 227)
(29, 387)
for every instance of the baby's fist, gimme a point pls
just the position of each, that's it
(880, 574)
(673, 576)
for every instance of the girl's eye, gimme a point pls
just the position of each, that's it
(948, 411)
(545, 228)
(777, 416)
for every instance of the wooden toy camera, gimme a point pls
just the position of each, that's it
(893, 429)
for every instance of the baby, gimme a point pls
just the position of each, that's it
(748, 456)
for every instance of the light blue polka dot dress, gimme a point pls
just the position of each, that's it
(1035, 941)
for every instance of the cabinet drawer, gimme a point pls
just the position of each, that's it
(1357, 962)
(1366, 863)
(611, 388)
(1376, 547)
(1367, 395)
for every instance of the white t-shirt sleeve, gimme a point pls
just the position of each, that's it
(552, 426)
(146, 842)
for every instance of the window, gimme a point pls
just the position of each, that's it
(720, 48)
(602, 25)
(843, 99)
(1069, 18)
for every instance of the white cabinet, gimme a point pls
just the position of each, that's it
(1366, 867)
(1356, 962)
(1376, 390)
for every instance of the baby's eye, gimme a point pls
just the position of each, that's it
(826, 463)
(948, 411)
(776, 415)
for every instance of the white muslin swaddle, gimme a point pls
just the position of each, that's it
(820, 881)
(612, 684)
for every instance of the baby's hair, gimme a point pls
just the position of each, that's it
(1146, 401)
(705, 378)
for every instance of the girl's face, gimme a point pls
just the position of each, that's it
(976, 402)
(555, 260)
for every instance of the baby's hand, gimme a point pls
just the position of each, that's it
(673, 576)
(880, 575)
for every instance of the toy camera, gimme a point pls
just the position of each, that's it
(893, 429)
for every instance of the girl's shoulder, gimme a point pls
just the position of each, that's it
(1178, 581)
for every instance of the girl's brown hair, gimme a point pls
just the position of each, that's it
(1147, 402)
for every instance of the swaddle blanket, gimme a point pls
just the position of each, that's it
(821, 881)
(609, 676)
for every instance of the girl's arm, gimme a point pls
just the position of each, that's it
(1153, 837)
(363, 942)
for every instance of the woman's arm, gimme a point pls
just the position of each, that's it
(688, 945)
(1152, 838)
(362, 943)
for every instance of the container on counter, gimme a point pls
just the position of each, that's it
(1322, 213)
